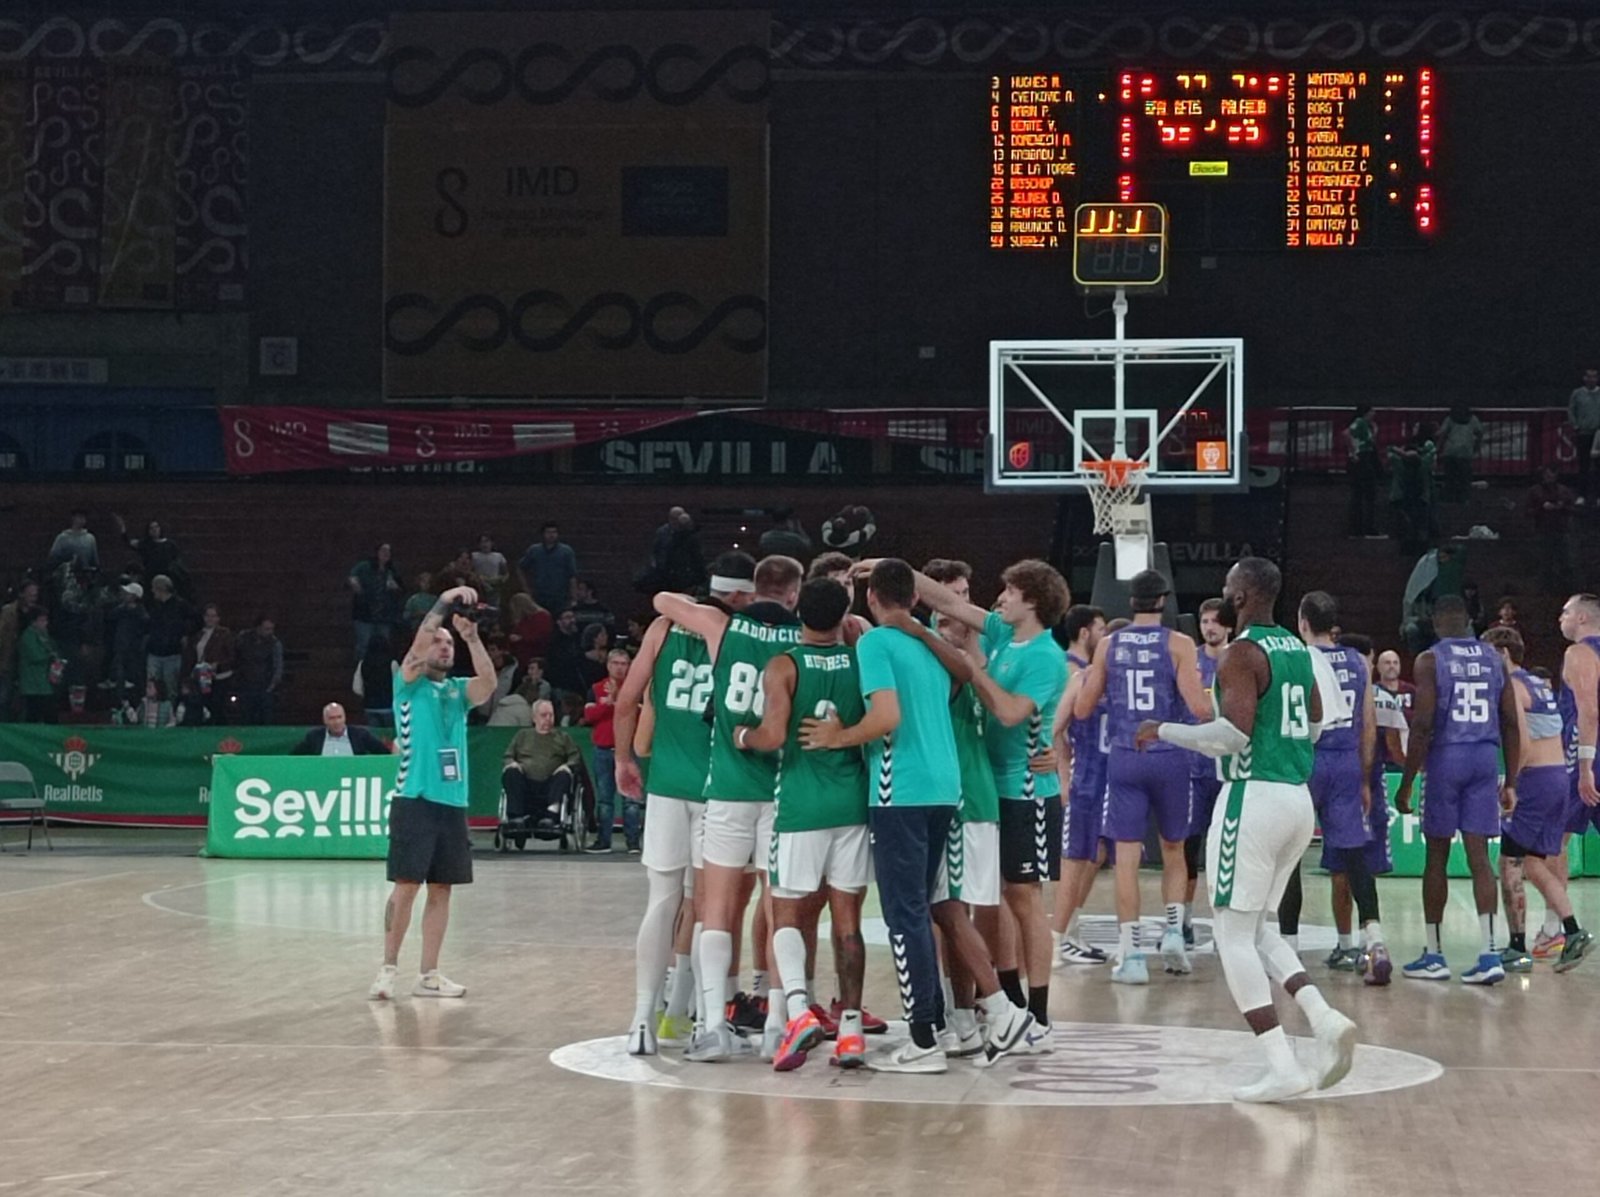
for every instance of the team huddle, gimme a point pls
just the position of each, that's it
(798, 749)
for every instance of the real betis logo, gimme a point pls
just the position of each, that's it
(229, 747)
(75, 759)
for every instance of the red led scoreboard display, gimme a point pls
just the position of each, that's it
(1304, 159)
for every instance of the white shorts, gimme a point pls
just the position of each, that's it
(673, 833)
(972, 857)
(801, 860)
(1258, 834)
(737, 834)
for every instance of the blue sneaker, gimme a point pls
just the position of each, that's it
(1430, 966)
(1132, 971)
(1488, 971)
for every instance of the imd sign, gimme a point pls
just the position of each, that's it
(300, 806)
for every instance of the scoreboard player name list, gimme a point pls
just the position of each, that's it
(1032, 151)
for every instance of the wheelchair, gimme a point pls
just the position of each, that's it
(574, 824)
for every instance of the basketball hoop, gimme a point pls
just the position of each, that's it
(1114, 485)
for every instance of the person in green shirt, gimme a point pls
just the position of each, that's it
(1271, 711)
(428, 839)
(36, 653)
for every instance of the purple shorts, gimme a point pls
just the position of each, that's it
(1203, 800)
(1139, 784)
(1539, 821)
(1461, 791)
(1086, 812)
(1336, 793)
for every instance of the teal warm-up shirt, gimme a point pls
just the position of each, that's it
(1035, 669)
(916, 765)
(429, 716)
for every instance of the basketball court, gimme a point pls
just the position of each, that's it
(176, 1025)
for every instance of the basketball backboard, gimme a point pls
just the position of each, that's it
(1177, 405)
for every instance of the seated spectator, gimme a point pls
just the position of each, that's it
(539, 771)
(488, 564)
(630, 640)
(208, 663)
(130, 628)
(505, 671)
(336, 737)
(39, 670)
(374, 597)
(512, 711)
(531, 628)
(596, 643)
(76, 544)
(598, 715)
(171, 622)
(193, 709)
(1507, 616)
(589, 609)
(258, 657)
(157, 554)
(566, 650)
(785, 538)
(374, 682)
(533, 687)
(153, 711)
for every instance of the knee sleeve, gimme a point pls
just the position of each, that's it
(1510, 847)
(1194, 850)
(1289, 908)
(1235, 935)
(653, 949)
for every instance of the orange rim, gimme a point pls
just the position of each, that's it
(1114, 470)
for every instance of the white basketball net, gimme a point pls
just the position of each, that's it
(1114, 490)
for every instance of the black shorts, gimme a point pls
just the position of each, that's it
(428, 841)
(1030, 839)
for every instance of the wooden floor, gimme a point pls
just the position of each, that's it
(178, 1026)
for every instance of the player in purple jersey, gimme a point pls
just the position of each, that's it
(1535, 831)
(1380, 860)
(1465, 715)
(1082, 747)
(1203, 781)
(1341, 788)
(1147, 673)
(1580, 711)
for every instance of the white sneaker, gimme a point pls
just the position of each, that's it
(437, 985)
(714, 1046)
(1073, 952)
(1132, 971)
(771, 1041)
(1036, 1041)
(963, 1037)
(1008, 1035)
(1173, 957)
(1275, 1086)
(908, 1057)
(1336, 1047)
(642, 1040)
(383, 988)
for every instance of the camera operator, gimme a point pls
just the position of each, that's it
(428, 839)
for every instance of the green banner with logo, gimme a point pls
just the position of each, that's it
(144, 777)
(300, 806)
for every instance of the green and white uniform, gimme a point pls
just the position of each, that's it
(1266, 814)
(971, 869)
(739, 784)
(680, 752)
(820, 797)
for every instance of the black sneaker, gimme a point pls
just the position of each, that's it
(598, 850)
(746, 1013)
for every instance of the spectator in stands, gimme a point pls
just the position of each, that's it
(630, 640)
(548, 570)
(588, 607)
(1411, 491)
(1361, 445)
(539, 771)
(596, 641)
(130, 629)
(565, 652)
(1549, 505)
(419, 604)
(676, 562)
(514, 710)
(157, 554)
(171, 622)
(1583, 409)
(76, 544)
(208, 662)
(1460, 438)
(71, 613)
(531, 628)
(505, 673)
(192, 709)
(14, 617)
(1475, 612)
(374, 597)
(336, 737)
(258, 656)
(785, 538)
(533, 687)
(39, 670)
(489, 565)
(850, 531)
(373, 683)
(153, 711)
(597, 716)
(1506, 615)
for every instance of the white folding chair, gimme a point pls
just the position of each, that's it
(15, 776)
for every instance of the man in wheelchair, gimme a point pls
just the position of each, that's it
(539, 774)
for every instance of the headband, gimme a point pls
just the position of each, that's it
(732, 585)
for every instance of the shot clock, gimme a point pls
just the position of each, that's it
(1120, 245)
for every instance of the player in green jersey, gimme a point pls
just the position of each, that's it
(673, 670)
(819, 839)
(1271, 711)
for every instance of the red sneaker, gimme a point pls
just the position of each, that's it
(871, 1024)
(830, 1026)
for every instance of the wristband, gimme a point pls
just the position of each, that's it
(1586, 752)
(739, 733)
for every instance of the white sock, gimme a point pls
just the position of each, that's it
(716, 957)
(695, 1011)
(850, 1022)
(1374, 934)
(1177, 915)
(775, 1009)
(1280, 1056)
(680, 997)
(645, 1007)
(1347, 940)
(730, 985)
(1056, 939)
(949, 995)
(1128, 939)
(1552, 924)
(1310, 999)
(789, 946)
(1433, 940)
(1293, 941)
(758, 981)
(1072, 927)
(1486, 928)
(999, 1008)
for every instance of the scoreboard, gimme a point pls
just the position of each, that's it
(1305, 159)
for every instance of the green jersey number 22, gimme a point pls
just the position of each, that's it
(690, 687)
